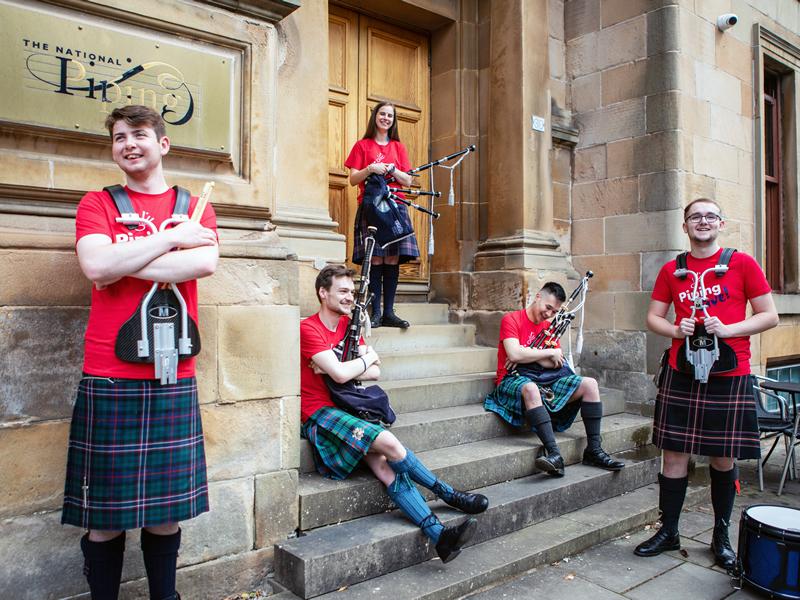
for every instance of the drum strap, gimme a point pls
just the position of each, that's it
(125, 206)
(719, 268)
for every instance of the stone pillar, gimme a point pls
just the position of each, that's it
(520, 206)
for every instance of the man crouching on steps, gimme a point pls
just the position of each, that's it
(551, 399)
(340, 440)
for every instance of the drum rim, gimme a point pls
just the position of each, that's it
(788, 535)
(769, 592)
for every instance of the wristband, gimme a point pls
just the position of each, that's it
(365, 364)
(391, 169)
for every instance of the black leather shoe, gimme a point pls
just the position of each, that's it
(452, 539)
(472, 504)
(375, 321)
(550, 463)
(662, 541)
(392, 320)
(724, 556)
(600, 458)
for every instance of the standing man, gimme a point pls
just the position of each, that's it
(340, 441)
(136, 457)
(549, 394)
(716, 419)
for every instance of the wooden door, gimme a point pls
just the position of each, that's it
(371, 61)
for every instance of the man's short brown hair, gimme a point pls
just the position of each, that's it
(137, 115)
(328, 274)
(695, 201)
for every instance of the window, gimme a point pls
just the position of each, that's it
(784, 372)
(773, 204)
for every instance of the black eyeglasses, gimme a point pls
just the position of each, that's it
(709, 218)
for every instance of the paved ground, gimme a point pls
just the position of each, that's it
(611, 571)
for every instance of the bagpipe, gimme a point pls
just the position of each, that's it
(703, 352)
(161, 331)
(369, 403)
(549, 338)
(379, 201)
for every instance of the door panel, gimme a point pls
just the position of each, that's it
(376, 61)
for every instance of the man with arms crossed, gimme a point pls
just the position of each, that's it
(136, 457)
(716, 419)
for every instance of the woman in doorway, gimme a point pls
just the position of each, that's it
(381, 152)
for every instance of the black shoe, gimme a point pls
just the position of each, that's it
(662, 541)
(471, 504)
(550, 462)
(375, 321)
(452, 539)
(724, 556)
(392, 320)
(600, 458)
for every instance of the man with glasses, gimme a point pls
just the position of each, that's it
(716, 419)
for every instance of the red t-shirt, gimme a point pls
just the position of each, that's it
(367, 151)
(315, 337)
(727, 298)
(516, 325)
(114, 305)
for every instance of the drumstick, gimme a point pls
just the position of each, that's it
(200, 207)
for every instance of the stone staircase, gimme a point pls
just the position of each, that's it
(436, 377)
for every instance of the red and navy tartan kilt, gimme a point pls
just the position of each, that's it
(339, 440)
(717, 418)
(136, 456)
(407, 249)
(506, 401)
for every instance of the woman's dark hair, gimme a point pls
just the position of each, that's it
(554, 289)
(372, 127)
(328, 274)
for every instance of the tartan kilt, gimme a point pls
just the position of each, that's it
(717, 418)
(407, 249)
(138, 448)
(339, 440)
(506, 401)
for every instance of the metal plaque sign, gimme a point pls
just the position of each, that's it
(68, 72)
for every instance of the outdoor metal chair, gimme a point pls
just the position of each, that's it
(777, 424)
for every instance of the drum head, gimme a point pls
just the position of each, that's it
(777, 517)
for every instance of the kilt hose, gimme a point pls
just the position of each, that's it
(506, 401)
(136, 456)
(339, 440)
(407, 249)
(717, 418)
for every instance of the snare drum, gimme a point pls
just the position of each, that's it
(769, 550)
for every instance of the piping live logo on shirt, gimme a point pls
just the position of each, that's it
(714, 294)
(141, 231)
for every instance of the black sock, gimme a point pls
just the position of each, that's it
(592, 412)
(391, 275)
(671, 493)
(160, 554)
(723, 493)
(539, 420)
(375, 286)
(103, 566)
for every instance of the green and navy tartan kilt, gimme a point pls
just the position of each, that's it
(407, 249)
(717, 418)
(136, 456)
(506, 401)
(339, 440)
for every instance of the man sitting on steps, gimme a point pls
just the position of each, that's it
(550, 399)
(340, 440)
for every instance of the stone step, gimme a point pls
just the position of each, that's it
(347, 553)
(422, 337)
(454, 425)
(422, 313)
(496, 560)
(466, 467)
(409, 395)
(437, 362)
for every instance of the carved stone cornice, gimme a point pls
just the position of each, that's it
(271, 11)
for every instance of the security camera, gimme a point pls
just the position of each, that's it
(726, 21)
